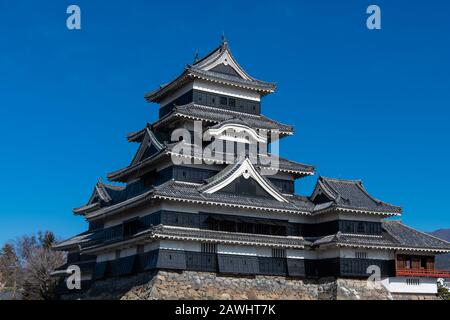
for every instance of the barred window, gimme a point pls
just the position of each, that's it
(413, 282)
(209, 247)
(278, 253)
(361, 255)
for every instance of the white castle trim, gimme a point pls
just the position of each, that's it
(247, 170)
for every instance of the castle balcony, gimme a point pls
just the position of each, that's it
(428, 273)
(418, 266)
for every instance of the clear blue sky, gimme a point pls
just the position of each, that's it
(370, 105)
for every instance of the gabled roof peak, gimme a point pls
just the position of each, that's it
(221, 60)
(348, 195)
(242, 167)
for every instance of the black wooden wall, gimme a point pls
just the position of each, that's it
(212, 100)
(241, 265)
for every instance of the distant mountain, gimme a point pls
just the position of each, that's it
(442, 260)
(443, 234)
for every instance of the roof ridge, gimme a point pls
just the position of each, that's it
(328, 189)
(423, 233)
(215, 109)
(355, 181)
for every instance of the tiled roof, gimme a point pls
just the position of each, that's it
(74, 241)
(283, 165)
(395, 235)
(301, 202)
(200, 70)
(184, 233)
(218, 76)
(242, 167)
(229, 237)
(351, 195)
(215, 115)
(409, 237)
(187, 192)
(107, 194)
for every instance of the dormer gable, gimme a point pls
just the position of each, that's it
(241, 169)
(149, 146)
(222, 61)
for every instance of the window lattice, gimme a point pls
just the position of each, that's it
(278, 253)
(209, 247)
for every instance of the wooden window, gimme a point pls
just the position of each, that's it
(360, 255)
(232, 102)
(223, 101)
(361, 227)
(149, 179)
(245, 227)
(408, 263)
(278, 253)
(209, 248)
(130, 227)
(423, 263)
(430, 263)
(416, 263)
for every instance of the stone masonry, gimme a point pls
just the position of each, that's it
(169, 285)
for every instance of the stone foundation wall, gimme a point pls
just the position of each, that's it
(204, 285)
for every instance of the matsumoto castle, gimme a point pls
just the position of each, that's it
(233, 210)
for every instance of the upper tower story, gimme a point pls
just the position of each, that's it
(216, 81)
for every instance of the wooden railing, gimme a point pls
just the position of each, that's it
(432, 273)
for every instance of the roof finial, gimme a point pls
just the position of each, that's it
(224, 39)
(196, 56)
(100, 180)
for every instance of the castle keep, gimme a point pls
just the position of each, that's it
(233, 210)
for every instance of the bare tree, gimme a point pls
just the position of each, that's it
(38, 283)
(26, 266)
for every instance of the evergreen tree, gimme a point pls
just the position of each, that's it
(10, 268)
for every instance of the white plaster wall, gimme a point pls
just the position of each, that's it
(399, 285)
(151, 246)
(177, 93)
(328, 253)
(118, 219)
(106, 256)
(180, 245)
(300, 254)
(213, 88)
(128, 252)
(241, 250)
(263, 251)
(371, 254)
(226, 90)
